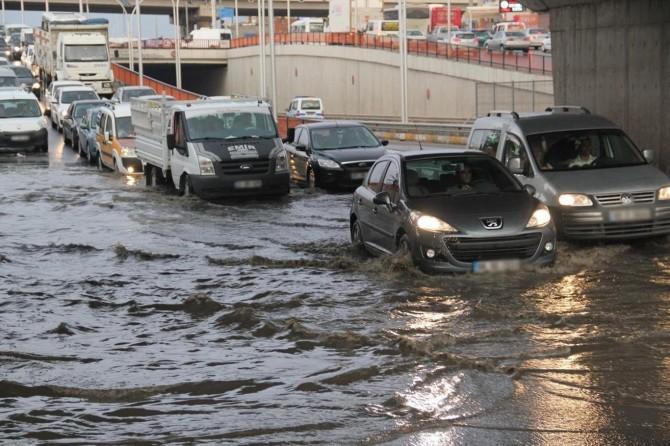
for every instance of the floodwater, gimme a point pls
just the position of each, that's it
(134, 316)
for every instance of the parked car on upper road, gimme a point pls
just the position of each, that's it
(22, 126)
(125, 94)
(536, 36)
(483, 35)
(464, 39)
(332, 154)
(415, 34)
(595, 181)
(452, 211)
(546, 44)
(305, 107)
(441, 33)
(73, 116)
(508, 40)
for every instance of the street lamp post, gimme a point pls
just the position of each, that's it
(131, 62)
(403, 60)
(288, 15)
(273, 61)
(213, 8)
(81, 6)
(139, 39)
(237, 21)
(177, 38)
(23, 19)
(3, 12)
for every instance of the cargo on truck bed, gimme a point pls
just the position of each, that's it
(215, 148)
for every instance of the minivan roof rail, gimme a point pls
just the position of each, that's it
(501, 113)
(567, 109)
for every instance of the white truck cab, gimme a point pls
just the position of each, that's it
(215, 148)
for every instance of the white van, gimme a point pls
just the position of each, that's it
(305, 107)
(382, 28)
(222, 36)
(509, 26)
(307, 26)
(22, 126)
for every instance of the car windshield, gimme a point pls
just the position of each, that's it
(69, 97)
(465, 36)
(311, 104)
(22, 71)
(457, 175)
(19, 108)
(8, 81)
(584, 149)
(80, 109)
(124, 128)
(514, 34)
(211, 124)
(136, 93)
(85, 53)
(414, 32)
(332, 138)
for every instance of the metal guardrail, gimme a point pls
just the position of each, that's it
(129, 77)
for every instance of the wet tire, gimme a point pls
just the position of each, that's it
(404, 247)
(149, 175)
(44, 148)
(53, 124)
(357, 235)
(185, 188)
(116, 166)
(310, 181)
(101, 167)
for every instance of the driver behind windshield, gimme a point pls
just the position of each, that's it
(584, 156)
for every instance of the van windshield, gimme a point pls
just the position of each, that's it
(85, 53)
(124, 128)
(210, 124)
(19, 108)
(584, 149)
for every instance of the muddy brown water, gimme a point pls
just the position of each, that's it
(133, 316)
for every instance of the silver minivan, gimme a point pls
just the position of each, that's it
(593, 178)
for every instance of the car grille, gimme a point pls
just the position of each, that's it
(466, 249)
(358, 165)
(242, 167)
(615, 199)
(614, 230)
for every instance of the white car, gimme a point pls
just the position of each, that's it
(546, 44)
(22, 126)
(305, 107)
(415, 34)
(464, 38)
(536, 36)
(52, 93)
(66, 96)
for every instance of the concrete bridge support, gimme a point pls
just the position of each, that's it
(613, 56)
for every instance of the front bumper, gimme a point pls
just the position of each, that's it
(212, 187)
(18, 141)
(349, 177)
(130, 166)
(613, 223)
(460, 254)
(102, 87)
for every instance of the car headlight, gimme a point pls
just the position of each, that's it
(106, 85)
(206, 166)
(128, 152)
(430, 223)
(540, 218)
(281, 161)
(327, 164)
(664, 193)
(36, 86)
(574, 200)
(17, 49)
(43, 122)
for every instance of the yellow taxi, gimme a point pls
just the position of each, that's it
(115, 140)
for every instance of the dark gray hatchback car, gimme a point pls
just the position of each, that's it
(453, 211)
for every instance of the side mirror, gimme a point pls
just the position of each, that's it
(383, 199)
(385, 142)
(106, 135)
(169, 140)
(649, 155)
(514, 166)
(530, 189)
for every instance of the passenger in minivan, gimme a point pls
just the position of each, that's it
(584, 156)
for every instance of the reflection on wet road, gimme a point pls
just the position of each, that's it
(133, 315)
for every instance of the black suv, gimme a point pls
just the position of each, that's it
(453, 211)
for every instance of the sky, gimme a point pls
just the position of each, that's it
(152, 25)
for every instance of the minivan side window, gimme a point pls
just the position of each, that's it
(514, 149)
(374, 181)
(485, 140)
(391, 183)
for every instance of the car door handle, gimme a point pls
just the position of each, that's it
(374, 209)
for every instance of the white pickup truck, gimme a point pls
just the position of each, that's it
(73, 47)
(214, 148)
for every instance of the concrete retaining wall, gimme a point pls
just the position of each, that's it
(359, 81)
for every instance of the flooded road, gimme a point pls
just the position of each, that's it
(133, 316)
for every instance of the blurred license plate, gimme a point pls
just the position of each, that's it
(20, 138)
(247, 184)
(630, 215)
(493, 266)
(358, 175)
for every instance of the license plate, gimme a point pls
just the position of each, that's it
(358, 175)
(495, 266)
(623, 215)
(20, 138)
(247, 184)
